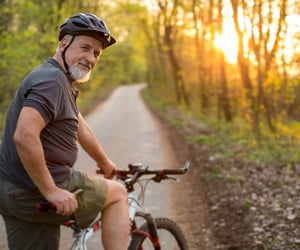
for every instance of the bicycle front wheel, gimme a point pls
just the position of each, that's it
(169, 233)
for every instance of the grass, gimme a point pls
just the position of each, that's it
(236, 140)
(247, 203)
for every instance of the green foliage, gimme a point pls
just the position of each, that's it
(25, 41)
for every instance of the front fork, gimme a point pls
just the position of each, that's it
(151, 233)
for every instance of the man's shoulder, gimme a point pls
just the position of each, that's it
(50, 66)
(47, 71)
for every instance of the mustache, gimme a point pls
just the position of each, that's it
(85, 64)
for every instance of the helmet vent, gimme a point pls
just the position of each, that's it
(93, 22)
(81, 25)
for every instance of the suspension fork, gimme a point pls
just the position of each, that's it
(151, 234)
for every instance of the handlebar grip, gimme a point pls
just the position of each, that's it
(45, 206)
(176, 171)
(173, 171)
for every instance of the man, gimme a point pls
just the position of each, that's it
(39, 148)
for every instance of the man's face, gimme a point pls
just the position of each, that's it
(82, 56)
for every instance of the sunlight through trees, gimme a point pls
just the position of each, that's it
(229, 59)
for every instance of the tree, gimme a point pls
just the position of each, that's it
(169, 16)
(223, 98)
(201, 56)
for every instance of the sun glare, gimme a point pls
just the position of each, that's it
(228, 42)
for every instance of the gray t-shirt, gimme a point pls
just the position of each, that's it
(48, 90)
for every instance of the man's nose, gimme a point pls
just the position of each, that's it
(92, 60)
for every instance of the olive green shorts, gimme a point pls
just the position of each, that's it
(27, 228)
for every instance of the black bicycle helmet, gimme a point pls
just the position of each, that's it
(89, 25)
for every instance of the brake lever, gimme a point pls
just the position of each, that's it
(159, 178)
(173, 178)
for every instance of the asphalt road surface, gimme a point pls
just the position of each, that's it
(128, 133)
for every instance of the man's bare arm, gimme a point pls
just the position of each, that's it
(90, 144)
(31, 153)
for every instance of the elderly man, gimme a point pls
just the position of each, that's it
(39, 148)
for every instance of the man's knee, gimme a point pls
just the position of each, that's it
(116, 193)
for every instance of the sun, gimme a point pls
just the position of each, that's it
(228, 41)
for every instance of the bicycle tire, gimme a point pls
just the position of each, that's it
(170, 236)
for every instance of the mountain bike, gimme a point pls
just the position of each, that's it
(146, 231)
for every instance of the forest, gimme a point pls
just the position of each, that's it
(231, 64)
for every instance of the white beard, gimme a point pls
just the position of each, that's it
(78, 75)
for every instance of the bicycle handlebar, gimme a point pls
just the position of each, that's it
(137, 170)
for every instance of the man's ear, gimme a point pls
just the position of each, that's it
(63, 43)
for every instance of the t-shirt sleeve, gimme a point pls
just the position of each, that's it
(45, 97)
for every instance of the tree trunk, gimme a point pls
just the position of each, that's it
(223, 95)
(245, 75)
(200, 60)
(179, 82)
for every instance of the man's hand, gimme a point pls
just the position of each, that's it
(109, 168)
(64, 201)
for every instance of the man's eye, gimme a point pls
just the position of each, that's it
(85, 48)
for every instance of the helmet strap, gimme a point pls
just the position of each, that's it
(63, 55)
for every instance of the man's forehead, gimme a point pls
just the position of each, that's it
(88, 40)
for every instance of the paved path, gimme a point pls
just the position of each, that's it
(129, 133)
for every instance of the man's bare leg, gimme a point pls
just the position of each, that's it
(115, 218)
